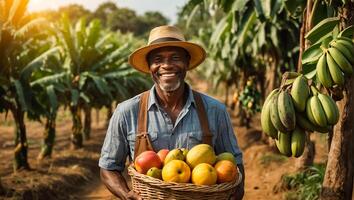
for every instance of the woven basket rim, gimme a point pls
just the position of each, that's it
(184, 186)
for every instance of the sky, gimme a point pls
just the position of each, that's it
(168, 8)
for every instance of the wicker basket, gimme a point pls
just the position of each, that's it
(152, 188)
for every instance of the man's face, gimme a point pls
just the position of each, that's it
(168, 66)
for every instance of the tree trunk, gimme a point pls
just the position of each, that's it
(48, 138)
(307, 158)
(271, 77)
(87, 122)
(338, 180)
(77, 132)
(21, 145)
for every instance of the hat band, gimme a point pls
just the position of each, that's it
(165, 39)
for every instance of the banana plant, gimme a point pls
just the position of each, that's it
(48, 84)
(19, 58)
(250, 33)
(89, 53)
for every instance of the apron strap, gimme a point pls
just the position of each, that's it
(203, 118)
(142, 141)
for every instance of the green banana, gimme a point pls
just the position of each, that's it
(334, 70)
(304, 123)
(340, 59)
(347, 44)
(346, 39)
(299, 93)
(286, 110)
(291, 75)
(318, 112)
(283, 143)
(330, 108)
(270, 96)
(323, 72)
(298, 138)
(321, 29)
(274, 116)
(344, 50)
(266, 122)
(309, 113)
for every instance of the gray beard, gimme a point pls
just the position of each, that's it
(170, 87)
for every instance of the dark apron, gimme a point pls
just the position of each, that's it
(142, 141)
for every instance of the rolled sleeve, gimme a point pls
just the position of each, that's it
(226, 140)
(115, 147)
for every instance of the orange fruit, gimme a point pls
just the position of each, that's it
(176, 171)
(226, 171)
(204, 174)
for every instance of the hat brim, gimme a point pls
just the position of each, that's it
(138, 58)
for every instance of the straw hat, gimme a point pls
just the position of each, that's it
(163, 36)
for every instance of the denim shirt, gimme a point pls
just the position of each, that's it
(185, 133)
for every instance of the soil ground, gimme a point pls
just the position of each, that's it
(74, 174)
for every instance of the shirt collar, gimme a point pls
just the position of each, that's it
(153, 98)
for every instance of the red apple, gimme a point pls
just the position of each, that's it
(162, 154)
(147, 160)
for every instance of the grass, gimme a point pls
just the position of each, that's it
(305, 185)
(268, 158)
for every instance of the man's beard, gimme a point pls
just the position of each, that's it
(170, 87)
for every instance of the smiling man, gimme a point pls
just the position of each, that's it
(170, 115)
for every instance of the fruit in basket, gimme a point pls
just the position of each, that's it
(175, 154)
(162, 154)
(204, 174)
(176, 171)
(147, 160)
(201, 153)
(226, 171)
(226, 156)
(185, 152)
(154, 172)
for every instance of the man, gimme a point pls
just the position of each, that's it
(173, 116)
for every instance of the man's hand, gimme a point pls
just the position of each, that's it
(132, 195)
(116, 183)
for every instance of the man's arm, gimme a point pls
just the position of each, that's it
(116, 183)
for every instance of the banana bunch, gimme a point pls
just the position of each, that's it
(291, 144)
(287, 115)
(278, 113)
(321, 111)
(335, 62)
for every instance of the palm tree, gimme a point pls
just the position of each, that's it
(18, 60)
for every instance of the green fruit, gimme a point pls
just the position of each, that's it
(298, 138)
(299, 93)
(274, 116)
(334, 70)
(323, 73)
(226, 156)
(318, 113)
(344, 50)
(330, 108)
(286, 110)
(283, 143)
(340, 59)
(266, 123)
(155, 172)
